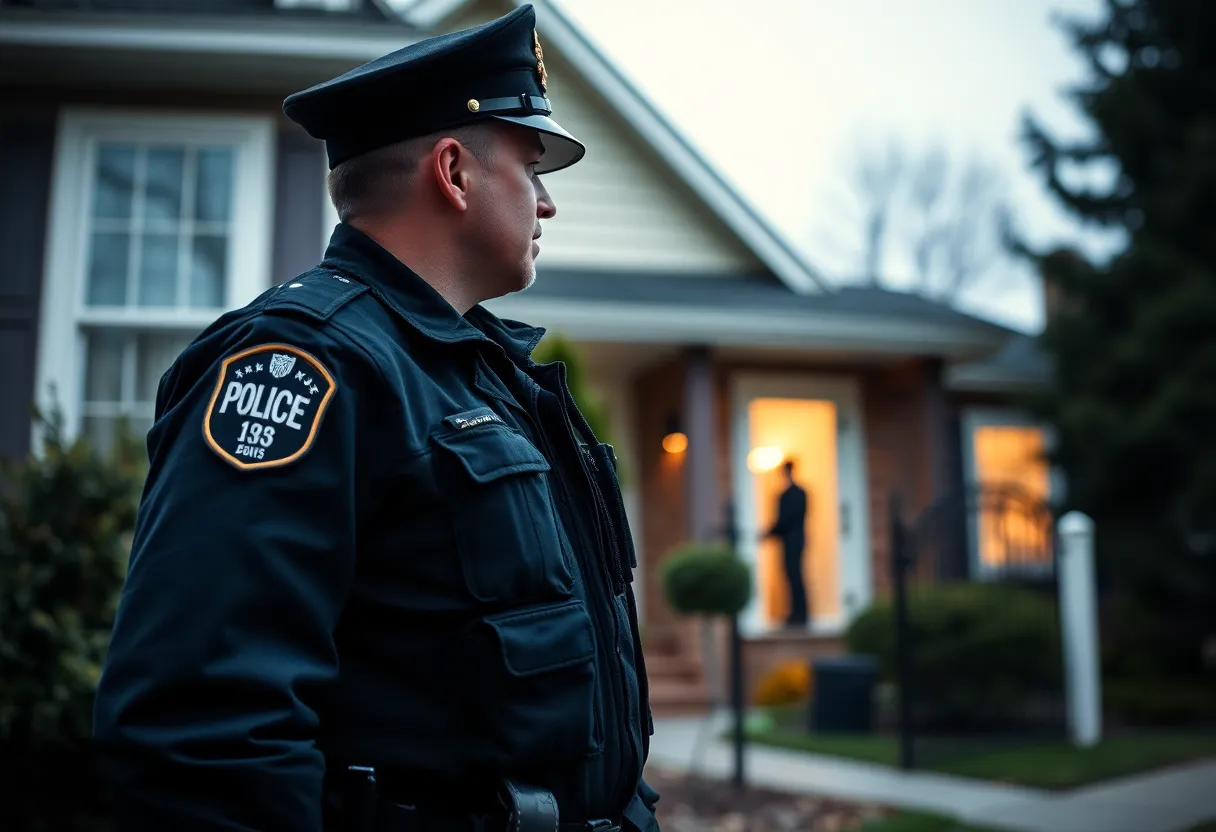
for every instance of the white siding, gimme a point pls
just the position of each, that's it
(620, 207)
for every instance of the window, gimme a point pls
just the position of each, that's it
(1005, 457)
(159, 225)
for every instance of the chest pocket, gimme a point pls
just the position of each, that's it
(497, 485)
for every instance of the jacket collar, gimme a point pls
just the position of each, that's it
(352, 252)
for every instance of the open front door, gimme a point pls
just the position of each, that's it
(815, 425)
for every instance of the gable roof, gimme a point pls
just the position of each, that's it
(725, 201)
(273, 31)
(555, 26)
(1021, 364)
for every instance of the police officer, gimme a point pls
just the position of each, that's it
(381, 572)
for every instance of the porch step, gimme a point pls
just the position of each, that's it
(670, 697)
(674, 667)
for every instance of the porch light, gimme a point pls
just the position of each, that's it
(674, 440)
(764, 458)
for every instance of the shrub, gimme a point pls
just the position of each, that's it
(785, 684)
(1159, 702)
(557, 347)
(981, 651)
(65, 520)
(706, 579)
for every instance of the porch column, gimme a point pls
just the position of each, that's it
(952, 554)
(937, 429)
(700, 426)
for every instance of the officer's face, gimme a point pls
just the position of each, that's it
(509, 204)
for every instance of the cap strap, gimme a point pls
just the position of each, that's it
(519, 104)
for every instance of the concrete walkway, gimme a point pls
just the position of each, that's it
(1169, 801)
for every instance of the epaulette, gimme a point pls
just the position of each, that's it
(318, 293)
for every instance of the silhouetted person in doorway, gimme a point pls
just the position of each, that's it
(790, 529)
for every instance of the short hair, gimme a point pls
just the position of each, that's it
(374, 181)
(788, 465)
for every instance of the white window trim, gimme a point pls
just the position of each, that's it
(61, 340)
(972, 418)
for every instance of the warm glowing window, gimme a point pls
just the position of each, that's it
(1009, 465)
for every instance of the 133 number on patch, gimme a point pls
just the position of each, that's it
(267, 406)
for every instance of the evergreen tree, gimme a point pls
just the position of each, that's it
(557, 347)
(1134, 339)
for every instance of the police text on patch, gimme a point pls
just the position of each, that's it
(267, 406)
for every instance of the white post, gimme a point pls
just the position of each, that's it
(1079, 628)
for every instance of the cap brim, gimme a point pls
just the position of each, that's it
(561, 149)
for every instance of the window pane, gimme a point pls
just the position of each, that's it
(156, 351)
(213, 194)
(1011, 458)
(115, 181)
(108, 256)
(103, 366)
(158, 270)
(102, 431)
(208, 262)
(164, 189)
(99, 431)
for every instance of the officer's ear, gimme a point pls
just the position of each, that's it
(451, 165)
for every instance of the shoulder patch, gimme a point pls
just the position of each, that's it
(318, 293)
(267, 406)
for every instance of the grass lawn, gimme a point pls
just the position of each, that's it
(1059, 765)
(918, 822)
(1055, 765)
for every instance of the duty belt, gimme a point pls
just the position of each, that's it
(524, 808)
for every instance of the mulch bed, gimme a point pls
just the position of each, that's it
(699, 804)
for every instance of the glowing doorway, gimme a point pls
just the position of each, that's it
(802, 432)
(815, 423)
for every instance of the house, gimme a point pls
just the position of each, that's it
(148, 181)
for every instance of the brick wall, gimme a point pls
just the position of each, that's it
(895, 407)
(659, 391)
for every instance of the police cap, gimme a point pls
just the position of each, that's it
(492, 71)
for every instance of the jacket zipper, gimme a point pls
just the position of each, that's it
(596, 563)
(615, 554)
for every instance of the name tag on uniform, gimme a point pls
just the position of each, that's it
(471, 418)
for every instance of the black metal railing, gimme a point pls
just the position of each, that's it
(976, 629)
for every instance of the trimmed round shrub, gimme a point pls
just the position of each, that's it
(706, 579)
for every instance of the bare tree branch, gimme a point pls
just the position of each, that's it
(971, 239)
(924, 196)
(878, 175)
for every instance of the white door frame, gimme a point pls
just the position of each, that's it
(853, 551)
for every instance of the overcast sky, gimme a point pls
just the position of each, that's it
(778, 94)
(782, 95)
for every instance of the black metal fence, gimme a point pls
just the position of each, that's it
(977, 645)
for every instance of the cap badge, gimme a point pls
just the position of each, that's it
(540, 61)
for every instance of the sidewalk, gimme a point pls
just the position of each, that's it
(1169, 801)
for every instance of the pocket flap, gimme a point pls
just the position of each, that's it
(542, 639)
(490, 451)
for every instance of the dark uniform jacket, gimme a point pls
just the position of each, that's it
(375, 533)
(790, 525)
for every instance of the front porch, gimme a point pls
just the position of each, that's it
(859, 427)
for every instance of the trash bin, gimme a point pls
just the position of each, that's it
(843, 694)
